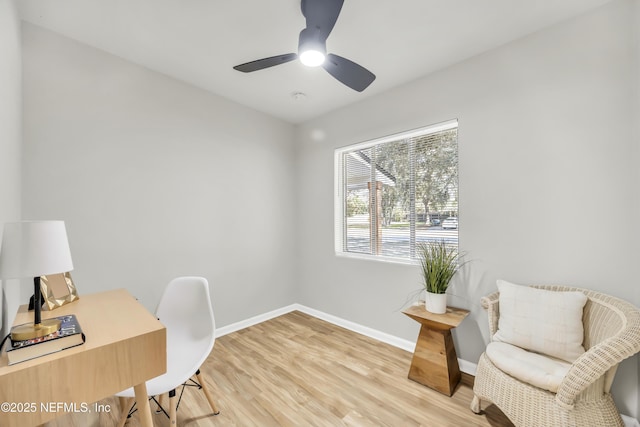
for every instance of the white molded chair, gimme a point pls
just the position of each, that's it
(185, 310)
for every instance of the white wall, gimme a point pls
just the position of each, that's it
(635, 18)
(547, 179)
(10, 131)
(156, 179)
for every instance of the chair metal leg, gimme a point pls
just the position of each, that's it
(126, 403)
(206, 393)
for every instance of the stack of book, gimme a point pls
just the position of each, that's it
(69, 335)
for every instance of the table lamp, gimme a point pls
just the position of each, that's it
(34, 249)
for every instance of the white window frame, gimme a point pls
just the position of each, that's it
(339, 188)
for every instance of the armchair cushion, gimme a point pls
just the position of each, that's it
(532, 368)
(542, 321)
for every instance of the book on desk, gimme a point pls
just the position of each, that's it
(69, 335)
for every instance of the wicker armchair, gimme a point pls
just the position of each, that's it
(611, 334)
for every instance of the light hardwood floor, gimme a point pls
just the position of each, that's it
(296, 370)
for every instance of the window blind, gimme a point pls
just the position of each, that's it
(395, 192)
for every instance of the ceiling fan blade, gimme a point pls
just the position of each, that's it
(348, 72)
(321, 15)
(265, 62)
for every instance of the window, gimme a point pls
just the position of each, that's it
(397, 191)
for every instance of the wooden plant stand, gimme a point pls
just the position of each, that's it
(434, 362)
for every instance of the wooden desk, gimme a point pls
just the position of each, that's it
(125, 346)
(434, 362)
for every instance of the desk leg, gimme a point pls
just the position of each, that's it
(142, 400)
(434, 362)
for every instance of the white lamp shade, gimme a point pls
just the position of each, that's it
(34, 248)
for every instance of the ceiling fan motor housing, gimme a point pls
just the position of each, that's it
(312, 39)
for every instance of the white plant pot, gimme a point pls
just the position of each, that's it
(435, 303)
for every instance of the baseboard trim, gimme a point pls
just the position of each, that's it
(629, 421)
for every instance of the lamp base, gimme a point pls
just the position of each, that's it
(29, 332)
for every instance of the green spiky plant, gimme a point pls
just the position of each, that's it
(439, 263)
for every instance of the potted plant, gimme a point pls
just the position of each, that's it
(439, 262)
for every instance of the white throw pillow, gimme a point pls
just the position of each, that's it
(547, 322)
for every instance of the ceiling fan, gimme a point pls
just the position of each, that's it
(321, 16)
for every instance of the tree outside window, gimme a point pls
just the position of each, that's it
(398, 192)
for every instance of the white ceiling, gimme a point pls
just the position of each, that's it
(199, 41)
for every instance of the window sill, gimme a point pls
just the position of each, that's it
(377, 258)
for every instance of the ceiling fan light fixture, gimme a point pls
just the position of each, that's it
(312, 58)
(312, 48)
